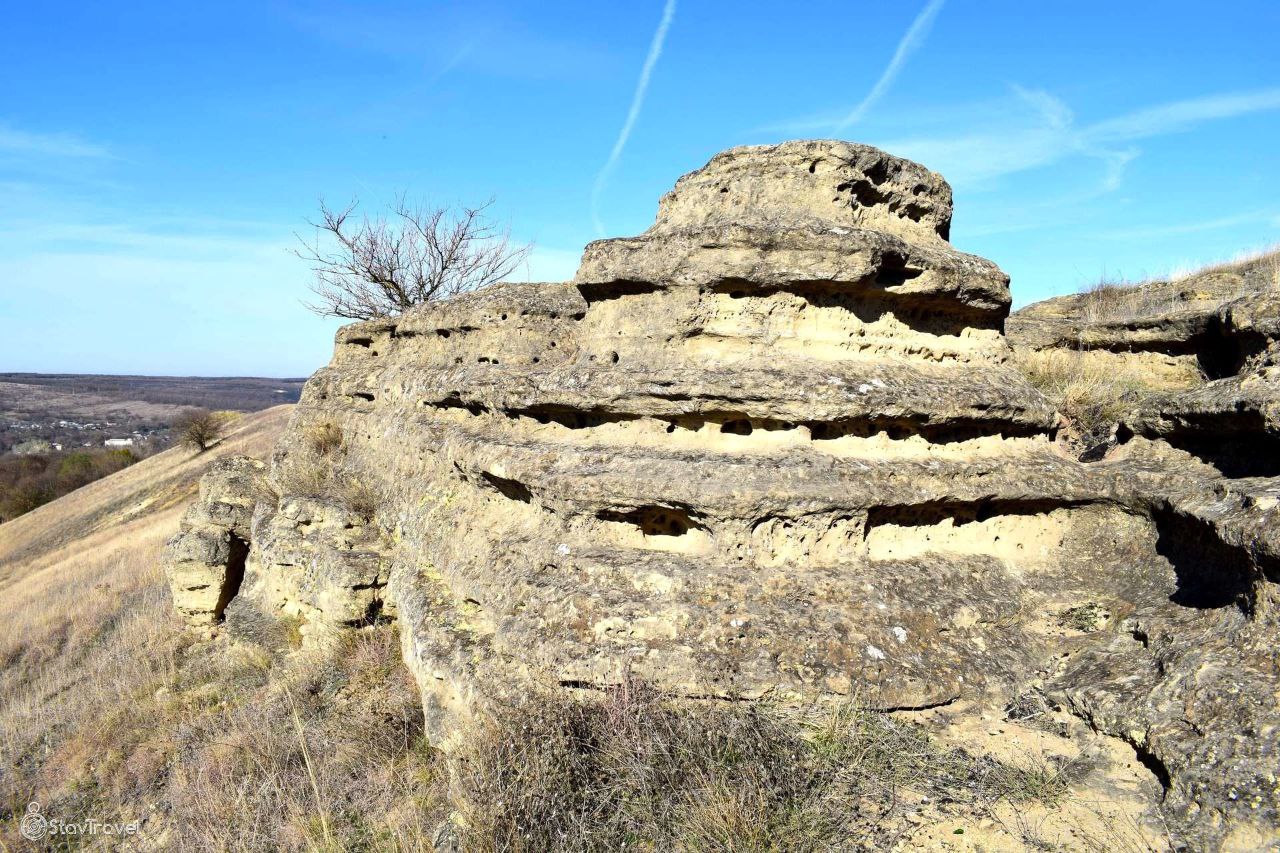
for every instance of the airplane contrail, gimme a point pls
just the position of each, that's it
(637, 101)
(917, 33)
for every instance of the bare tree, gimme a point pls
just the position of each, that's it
(198, 428)
(385, 265)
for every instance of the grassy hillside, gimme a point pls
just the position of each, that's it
(111, 710)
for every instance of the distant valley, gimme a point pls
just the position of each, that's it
(41, 412)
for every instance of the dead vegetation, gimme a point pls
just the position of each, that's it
(1115, 301)
(1096, 389)
(1207, 288)
(110, 709)
(632, 770)
(385, 265)
(320, 472)
(221, 744)
(325, 438)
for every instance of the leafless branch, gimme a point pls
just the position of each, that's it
(385, 265)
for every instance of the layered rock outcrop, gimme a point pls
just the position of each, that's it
(772, 447)
(1211, 322)
(207, 557)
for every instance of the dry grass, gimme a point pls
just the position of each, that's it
(359, 496)
(1116, 301)
(633, 771)
(1091, 389)
(110, 709)
(325, 438)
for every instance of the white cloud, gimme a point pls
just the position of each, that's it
(637, 101)
(1047, 132)
(1183, 115)
(914, 37)
(61, 145)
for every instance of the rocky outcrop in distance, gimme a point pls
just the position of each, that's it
(772, 448)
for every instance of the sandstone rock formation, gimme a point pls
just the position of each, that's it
(771, 448)
(1212, 321)
(207, 557)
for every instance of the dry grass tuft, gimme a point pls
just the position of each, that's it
(1091, 389)
(325, 438)
(1117, 301)
(359, 496)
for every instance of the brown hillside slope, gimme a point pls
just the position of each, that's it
(111, 711)
(149, 494)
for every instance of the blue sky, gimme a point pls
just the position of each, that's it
(156, 159)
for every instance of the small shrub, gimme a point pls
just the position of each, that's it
(359, 497)
(325, 438)
(634, 770)
(305, 478)
(199, 429)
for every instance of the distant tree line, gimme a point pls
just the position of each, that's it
(27, 482)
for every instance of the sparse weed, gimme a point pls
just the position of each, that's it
(325, 438)
(303, 477)
(359, 496)
(1091, 389)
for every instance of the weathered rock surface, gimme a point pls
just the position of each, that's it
(207, 557)
(1232, 423)
(772, 447)
(1214, 320)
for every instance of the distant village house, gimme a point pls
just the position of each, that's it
(118, 442)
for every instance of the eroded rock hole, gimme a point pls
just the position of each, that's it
(655, 520)
(233, 577)
(1222, 352)
(603, 291)
(508, 488)
(895, 270)
(1210, 573)
(571, 418)
(877, 172)
(937, 512)
(456, 402)
(1238, 446)
(901, 429)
